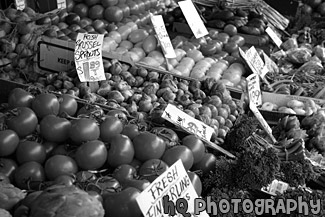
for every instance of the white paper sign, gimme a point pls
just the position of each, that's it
(256, 61)
(262, 121)
(175, 183)
(163, 37)
(278, 187)
(188, 123)
(88, 57)
(61, 4)
(20, 4)
(254, 90)
(193, 18)
(275, 38)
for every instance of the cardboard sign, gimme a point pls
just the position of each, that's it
(275, 38)
(163, 37)
(278, 187)
(175, 183)
(61, 4)
(262, 121)
(193, 18)
(254, 91)
(20, 4)
(88, 57)
(188, 123)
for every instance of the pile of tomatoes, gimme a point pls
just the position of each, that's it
(47, 139)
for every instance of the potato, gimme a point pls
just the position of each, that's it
(286, 110)
(268, 106)
(295, 104)
(300, 111)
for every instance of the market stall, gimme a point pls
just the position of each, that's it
(160, 108)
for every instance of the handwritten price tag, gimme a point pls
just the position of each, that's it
(275, 38)
(163, 37)
(188, 123)
(193, 18)
(88, 57)
(20, 4)
(61, 4)
(174, 179)
(254, 91)
(256, 62)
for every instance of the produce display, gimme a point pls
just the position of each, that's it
(90, 149)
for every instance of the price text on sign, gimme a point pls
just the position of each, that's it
(254, 91)
(20, 4)
(275, 38)
(174, 183)
(88, 57)
(163, 37)
(193, 18)
(256, 61)
(188, 123)
(262, 121)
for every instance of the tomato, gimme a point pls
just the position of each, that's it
(30, 151)
(96, 12)
(81, 9)
(179, 152)
(27, 173)
(196, 182)
(67, 180)
(83, 130)
(195, 145)
(148, 146)
(238, 39)
(121, 150)
(113, 14)
(8, 167)
(45, 104)
(60, 165)
(169, 136)
(68, 104)
(123, 172)
(107, 184)
(110, 127)
(152, 168)
(211, 47)
(90, 109)
(118, 113)
(213, 33)
(54, 128)
(23, 121)
(122, 203)
(130, 130)
(91, 155)
(8, 142)
(19, 97)
(207, 164)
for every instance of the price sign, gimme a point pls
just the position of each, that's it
(275, 38)
(174, 183)
(278, 187)
(254, 91)
(61, 4)
(270, 64)
(163, 37)
(20, 4)
(193, 18)
(88, 57)
(256, 62)
(262, 121)
(188, 123)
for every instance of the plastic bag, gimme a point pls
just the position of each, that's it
(319, 51)
(299, 55)
(312, 67)
(290, 43)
